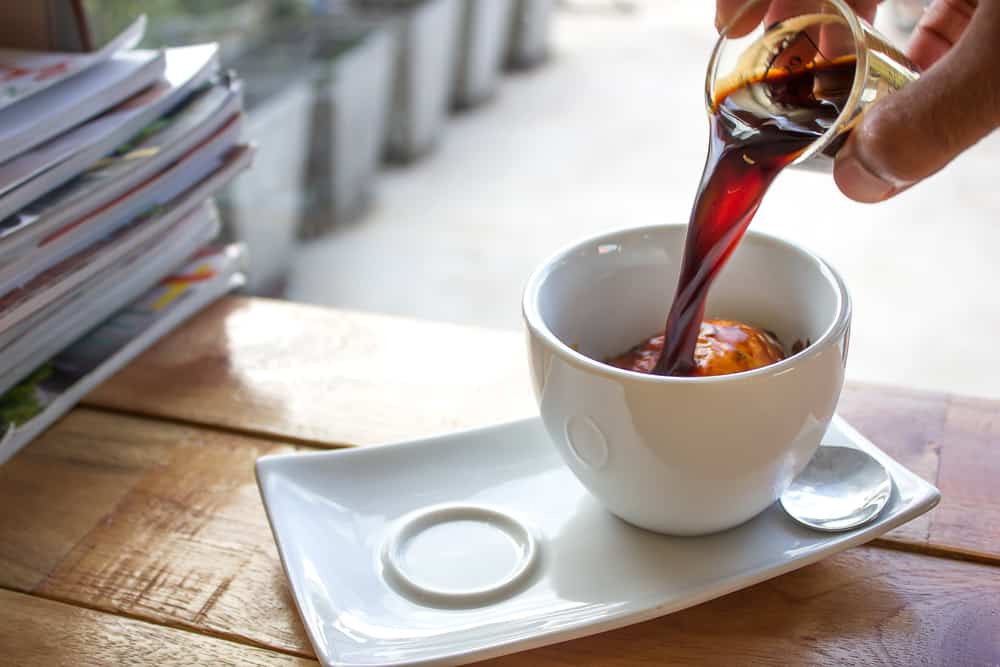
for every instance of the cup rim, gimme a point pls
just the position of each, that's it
(536, 324)
(844, 118)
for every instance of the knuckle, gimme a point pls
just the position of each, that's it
(886, 141)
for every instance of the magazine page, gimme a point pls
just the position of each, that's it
(156, 191)
(55, 387)
(144, 265)
(209, 108)
(160, 143)
(86, 354)
(50, 164)
(58, 324)
(24, 73)
(51, 112)
(63, 277)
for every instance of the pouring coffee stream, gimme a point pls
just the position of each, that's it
(794, 92)
(757, 130)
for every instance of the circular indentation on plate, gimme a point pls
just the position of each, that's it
(458, 555)
(586, 441)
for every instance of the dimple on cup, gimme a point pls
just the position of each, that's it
(683, 455)
(792, 35)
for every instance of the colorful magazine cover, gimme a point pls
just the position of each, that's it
(119, 284)
(68, 274)
(157, 146)
(115, 176)
(171, 136)
(87, 354)
(35, 172)
(56, 386)
(72, 237)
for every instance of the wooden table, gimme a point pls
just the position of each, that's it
(132, 531)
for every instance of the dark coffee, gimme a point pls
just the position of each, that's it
(757, 129)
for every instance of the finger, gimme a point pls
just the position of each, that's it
(782, 9)
(865, 8)
(836, 39)
(823, 42)
(916, 131)
(726, 11)
(939, 29)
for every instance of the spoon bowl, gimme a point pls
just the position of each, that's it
(841, 488)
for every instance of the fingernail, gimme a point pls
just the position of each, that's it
(857, 182)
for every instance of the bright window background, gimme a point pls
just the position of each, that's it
(610, 132)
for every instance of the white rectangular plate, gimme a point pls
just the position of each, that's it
(332, 513)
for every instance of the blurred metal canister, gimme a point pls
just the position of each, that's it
(529, 33)
(352, 77)
(485, 30)
(261, 208)
(425, 33)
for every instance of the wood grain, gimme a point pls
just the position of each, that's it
(952, 441)
(154, 520)
(329, 377)
(165, 525)
(42, 633)
(969, 476)
(323, 376)
(866, 606)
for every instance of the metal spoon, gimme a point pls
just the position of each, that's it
(840, 489)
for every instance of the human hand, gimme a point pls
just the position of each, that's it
(913, 133)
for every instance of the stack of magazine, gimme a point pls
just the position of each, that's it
(108, 164)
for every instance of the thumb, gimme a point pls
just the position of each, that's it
(913, 133)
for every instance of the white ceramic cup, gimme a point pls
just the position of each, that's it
(683, 456)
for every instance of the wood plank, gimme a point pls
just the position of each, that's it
(908, 425)
(184, 542)
(866, 606)
(969, 476)
(952, 441)
(61, 490)
(331, 377)
(34, 631)
(336, 378)
(151, 519)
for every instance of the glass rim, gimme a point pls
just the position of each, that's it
(854, 24)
